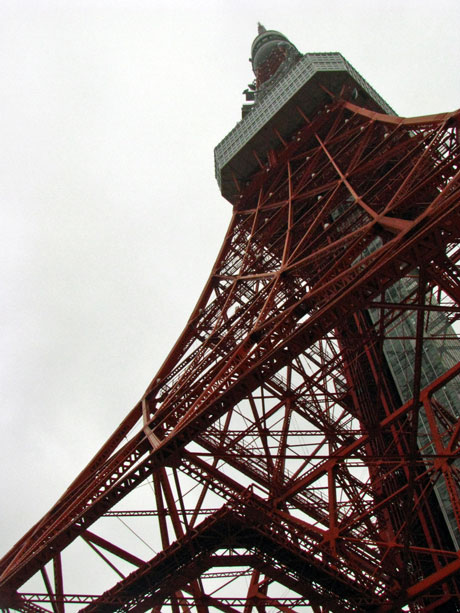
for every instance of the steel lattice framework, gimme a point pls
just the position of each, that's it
(287, 466)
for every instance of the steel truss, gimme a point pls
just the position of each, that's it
(286, 457)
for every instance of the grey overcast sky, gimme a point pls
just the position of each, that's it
(111, 217)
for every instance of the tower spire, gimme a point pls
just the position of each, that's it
(260, 28)
(272, 55)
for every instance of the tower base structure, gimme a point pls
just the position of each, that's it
(298, 449)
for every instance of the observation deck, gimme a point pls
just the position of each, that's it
(303, 87)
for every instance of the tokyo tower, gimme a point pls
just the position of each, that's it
(298, 450)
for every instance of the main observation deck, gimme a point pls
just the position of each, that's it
(303, 87)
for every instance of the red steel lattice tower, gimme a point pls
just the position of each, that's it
(299, 446)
